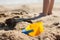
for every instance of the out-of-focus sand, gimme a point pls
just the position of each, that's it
(52, 31)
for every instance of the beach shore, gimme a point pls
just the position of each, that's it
(51, 22)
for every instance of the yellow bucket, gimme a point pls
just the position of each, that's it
(36, 27)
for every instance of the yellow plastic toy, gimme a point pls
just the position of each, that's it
(36, 27)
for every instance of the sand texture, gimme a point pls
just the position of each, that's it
(51, 22)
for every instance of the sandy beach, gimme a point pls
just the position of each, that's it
(51, 22)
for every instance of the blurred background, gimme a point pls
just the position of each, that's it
(3, 2)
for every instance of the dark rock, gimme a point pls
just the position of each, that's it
(11, 23)
(2, 25)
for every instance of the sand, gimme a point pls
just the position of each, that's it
(51, 22)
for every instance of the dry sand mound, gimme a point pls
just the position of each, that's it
(51, 25)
